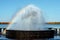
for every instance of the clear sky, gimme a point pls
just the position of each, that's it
(50, 8)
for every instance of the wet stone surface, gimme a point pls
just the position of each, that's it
(55, 38)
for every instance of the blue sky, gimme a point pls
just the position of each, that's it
(50, 8)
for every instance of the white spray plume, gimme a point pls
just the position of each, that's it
(29, 18)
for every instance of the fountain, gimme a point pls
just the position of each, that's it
(27, 23)
(29, 18)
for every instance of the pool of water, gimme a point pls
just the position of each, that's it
(46, 27)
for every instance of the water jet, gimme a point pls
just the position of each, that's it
(28, 23)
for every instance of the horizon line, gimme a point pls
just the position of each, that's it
(46, 22)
